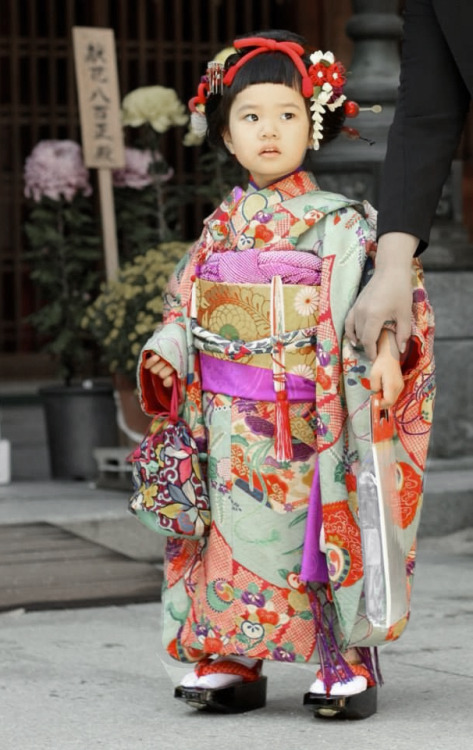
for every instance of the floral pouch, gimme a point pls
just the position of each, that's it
(170, 494)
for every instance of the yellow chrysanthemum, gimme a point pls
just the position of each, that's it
(157, 105)
(128, 309)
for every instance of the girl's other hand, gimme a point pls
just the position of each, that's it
(159, 367)
(386, 374)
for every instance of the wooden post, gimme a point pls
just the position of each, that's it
(109, 228)
(102, 135)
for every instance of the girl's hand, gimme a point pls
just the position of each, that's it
(386, 375)
(159, 367)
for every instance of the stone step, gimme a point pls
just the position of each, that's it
(448, 497)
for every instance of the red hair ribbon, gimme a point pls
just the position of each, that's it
(291, 49)
(202, 91)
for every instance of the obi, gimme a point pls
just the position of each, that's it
(256, 340)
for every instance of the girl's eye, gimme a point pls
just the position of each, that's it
(288, 115)
(251, 117)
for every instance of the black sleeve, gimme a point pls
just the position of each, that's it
(430, 113)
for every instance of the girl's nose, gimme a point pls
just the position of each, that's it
(268, 129)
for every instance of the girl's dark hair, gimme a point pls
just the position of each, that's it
(268, 67)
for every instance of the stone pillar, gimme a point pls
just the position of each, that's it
(354, 167)
(448, 265)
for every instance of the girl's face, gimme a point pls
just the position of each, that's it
(268, 131)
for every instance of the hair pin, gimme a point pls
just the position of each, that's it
(215, 76)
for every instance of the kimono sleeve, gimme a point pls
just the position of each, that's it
(171, 340)
(419, 351)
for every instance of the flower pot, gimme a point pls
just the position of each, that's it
(78, 420)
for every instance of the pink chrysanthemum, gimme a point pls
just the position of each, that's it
(56, 169)
(136, 172)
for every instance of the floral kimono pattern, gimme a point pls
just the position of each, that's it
(238, 591)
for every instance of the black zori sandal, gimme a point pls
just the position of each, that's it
(339, 700)
(347, 691)
(346, 684)
(247, 692)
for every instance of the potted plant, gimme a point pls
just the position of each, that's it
(150, 111)
(124, 315)
(64, 260)
(128, 308)
(135, 190)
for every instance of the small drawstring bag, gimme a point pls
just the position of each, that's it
(170, 495)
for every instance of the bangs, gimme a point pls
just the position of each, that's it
(268, 67)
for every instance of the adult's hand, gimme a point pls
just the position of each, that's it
(387, 296)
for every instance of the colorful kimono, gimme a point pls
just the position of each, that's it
(258, 307)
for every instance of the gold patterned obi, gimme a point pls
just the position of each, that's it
(260, 325)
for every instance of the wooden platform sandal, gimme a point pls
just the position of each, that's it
(224, 685)
(354, 697)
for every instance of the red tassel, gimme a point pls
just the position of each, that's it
(282, 442)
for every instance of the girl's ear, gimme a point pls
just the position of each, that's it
(310, 143)
(228, 141)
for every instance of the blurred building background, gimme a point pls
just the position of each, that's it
(157, 42)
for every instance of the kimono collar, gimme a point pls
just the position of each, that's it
(291, 185)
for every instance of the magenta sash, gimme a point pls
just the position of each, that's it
(244, 381)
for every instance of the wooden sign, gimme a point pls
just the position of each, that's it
(100, 119)
(99, 99)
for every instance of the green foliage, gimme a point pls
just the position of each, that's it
(136, 220)
(129, 308)
(219, 172)
(64, 252)
(148, 215)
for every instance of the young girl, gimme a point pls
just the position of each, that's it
(278, 400)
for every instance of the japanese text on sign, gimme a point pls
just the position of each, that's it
(99, 100)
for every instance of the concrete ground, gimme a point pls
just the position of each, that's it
(97, 678)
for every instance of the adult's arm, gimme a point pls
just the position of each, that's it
(432, 104)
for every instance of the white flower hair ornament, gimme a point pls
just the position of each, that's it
(328, 77)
